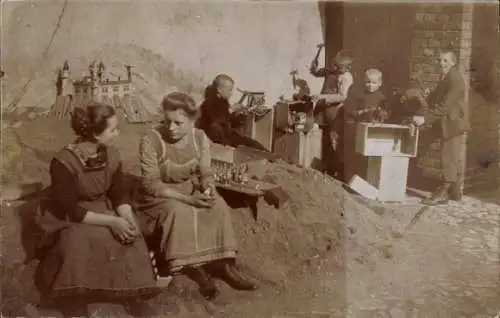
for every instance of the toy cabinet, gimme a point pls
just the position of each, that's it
(389, 148)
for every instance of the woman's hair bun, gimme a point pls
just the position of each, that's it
(80, 122)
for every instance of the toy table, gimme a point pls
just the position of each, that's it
(389, 148)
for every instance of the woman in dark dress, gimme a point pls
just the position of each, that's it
(91, 249)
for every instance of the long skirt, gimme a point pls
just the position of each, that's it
(188, 236)
(87, 260)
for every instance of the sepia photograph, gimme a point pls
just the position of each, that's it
(250, 158)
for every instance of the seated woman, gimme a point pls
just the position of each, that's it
(218, 120)
(91, 249)
(179, 204)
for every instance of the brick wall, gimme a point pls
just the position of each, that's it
(468, 28)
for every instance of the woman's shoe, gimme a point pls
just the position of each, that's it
(205, 282)
(226, 271)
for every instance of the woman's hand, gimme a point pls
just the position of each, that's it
(208, 186)
(418, 120)
(426, 92)
(201, 200)
(123, 230)
(128, 215)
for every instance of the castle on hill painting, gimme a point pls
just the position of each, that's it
(119, 93)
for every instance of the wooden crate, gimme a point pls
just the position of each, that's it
(373, 139)
(281, 116)
(389, 175)
(260, 128)
(298, 147)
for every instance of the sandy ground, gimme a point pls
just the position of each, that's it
(309, 260)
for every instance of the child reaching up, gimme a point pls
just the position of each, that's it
(329, 111)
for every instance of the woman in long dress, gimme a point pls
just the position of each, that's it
(183, 214)
(91, 249)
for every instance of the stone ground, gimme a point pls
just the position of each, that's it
(446, 266)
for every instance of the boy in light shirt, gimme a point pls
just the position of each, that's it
(329, 110)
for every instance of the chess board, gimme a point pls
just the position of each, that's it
(234, 177)
(226, 172)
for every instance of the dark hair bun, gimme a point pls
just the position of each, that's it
(80, 123)
(91, 120)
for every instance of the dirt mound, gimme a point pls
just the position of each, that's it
(281, 240)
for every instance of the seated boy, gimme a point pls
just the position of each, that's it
(371, 106)
(218, 117)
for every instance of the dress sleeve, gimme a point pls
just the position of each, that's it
(119, 193)
(64, 197)
(206, 172)
(151, 181)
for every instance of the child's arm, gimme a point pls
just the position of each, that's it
(317, 71)
(345, 84)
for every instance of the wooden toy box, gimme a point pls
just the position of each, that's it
(389, 148)
(373, 139)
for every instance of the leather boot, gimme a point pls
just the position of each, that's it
(205, 282)
(226, 271)
(456, 191)
(441, 196)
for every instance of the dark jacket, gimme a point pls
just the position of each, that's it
(448, 106)
(215, 119)
(366, 101)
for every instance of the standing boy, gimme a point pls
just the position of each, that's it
(329, 111)
(449, 113)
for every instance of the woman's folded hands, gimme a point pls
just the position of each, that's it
(124, 226)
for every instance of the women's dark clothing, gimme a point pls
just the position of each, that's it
(78, 259)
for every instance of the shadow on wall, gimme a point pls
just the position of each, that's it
(484, 48)
(483, 145)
